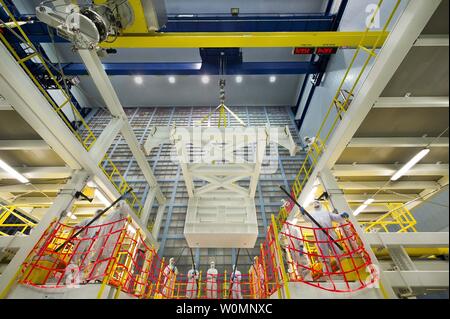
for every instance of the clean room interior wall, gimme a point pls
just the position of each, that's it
(433, 214)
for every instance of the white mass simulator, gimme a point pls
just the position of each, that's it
(221, 169)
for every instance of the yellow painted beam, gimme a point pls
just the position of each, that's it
(250, 40)
(139, 24)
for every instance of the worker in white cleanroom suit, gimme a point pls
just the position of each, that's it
(169, 276)
(86, 246)
(236, 277)
(296, 247)
(111, 228)
(310, 141)
(324, 242)
(258, 278)
(211, 281)
(192, 283)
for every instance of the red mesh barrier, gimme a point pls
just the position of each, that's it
(115, 253)
(332, 259)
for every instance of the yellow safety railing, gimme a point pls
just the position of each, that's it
(116, 178)
(399, 219)
(340, 103)
(11, 222)
(85, 136)
(84, 133)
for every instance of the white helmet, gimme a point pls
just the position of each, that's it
(317, 204)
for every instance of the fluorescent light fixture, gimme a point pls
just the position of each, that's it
(239, 79)
(416, 159)
(138, 80)
(363, 206)
(272, 79)
(172, 80)
(102, 198)
(310, 197)
(205, 79)
(91, 184)
(13, 172)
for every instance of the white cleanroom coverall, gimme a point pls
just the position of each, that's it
(211, 282)
(297, 249)
(236, 291)
(86, 243)
(324, 242)
(108, 238)
(169, 274)
(191, 287)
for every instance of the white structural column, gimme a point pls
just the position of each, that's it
(432, 40)
(106, 90)
(412, 102)
(408, 28)
(148, 206)
(32, 106)
(388, 170)
(56, 172)
(20, 91)
(27, 145)
(62, 202)
(158, 221)
(339, 203)
(363, 142)
(413, 240)
(107, 137)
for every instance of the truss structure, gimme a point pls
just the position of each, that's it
(221, 169)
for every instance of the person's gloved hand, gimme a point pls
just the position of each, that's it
(345, 215)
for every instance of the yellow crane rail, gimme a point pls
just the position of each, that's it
(352, 39)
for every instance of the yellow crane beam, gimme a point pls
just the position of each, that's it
(139, 24)
(373, 39)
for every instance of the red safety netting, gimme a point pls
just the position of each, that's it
(113, 253)
(263, 279)
(332, 259)
(116, 253)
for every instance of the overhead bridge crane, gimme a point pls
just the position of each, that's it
(133, 25)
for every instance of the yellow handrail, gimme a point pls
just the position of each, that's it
(21, 224)
(322, 137)
(399, 219)
(86, 137)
